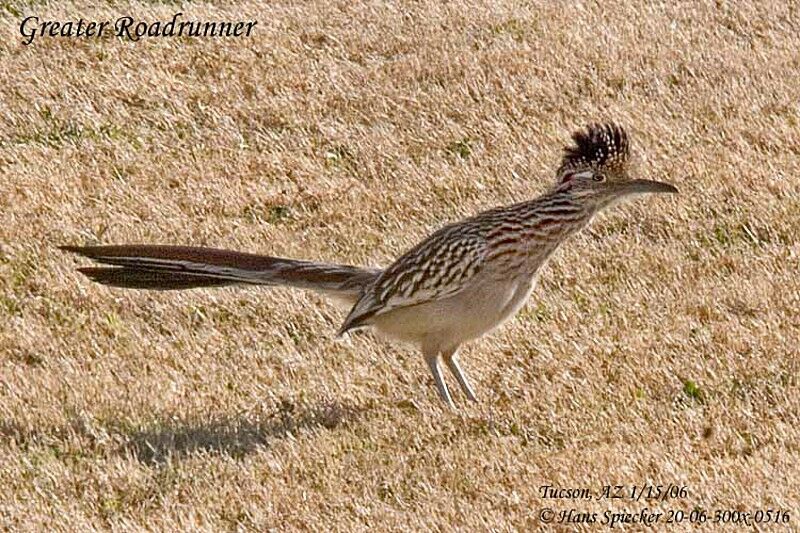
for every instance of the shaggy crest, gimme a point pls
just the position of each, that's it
(598, 147)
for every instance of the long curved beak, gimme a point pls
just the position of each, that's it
(648, 186)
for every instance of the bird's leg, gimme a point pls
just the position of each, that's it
(451, 358)
(433, 363)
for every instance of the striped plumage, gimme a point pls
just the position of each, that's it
(461, 282)
(444, 264)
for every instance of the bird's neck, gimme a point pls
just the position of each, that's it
(549, 221)
(558, 214)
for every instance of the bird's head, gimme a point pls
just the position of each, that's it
(596, 167)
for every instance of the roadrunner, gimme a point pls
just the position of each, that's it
(461, 282)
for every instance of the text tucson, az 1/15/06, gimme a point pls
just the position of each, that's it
(32, 27)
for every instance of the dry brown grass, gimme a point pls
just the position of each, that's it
(347, 131)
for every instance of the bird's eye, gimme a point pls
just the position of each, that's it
(599, 177)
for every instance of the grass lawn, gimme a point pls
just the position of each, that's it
(661, 346)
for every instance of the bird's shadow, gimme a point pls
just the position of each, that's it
(169, 438)
(233, 436)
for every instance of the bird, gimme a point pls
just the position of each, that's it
(460, 283)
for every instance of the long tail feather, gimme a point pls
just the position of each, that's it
(182, 267)
(130, 278)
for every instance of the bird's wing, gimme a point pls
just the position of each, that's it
(439, 267)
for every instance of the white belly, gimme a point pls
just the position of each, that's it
(463, 317)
